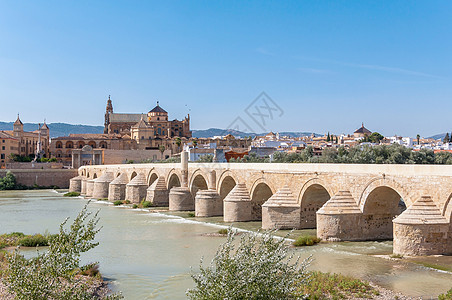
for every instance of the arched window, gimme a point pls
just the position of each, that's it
(59, 144)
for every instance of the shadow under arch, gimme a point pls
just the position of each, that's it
(447, 210)
(152, 177)
(225, 186)
(314, 196)
(380, 207)
(133, 175)
(173, 181)
(198, 182)
(260, 193)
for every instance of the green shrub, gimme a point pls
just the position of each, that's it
(191, 215)
(72, 194)
(37, 240)
(146, 204)
(91, 270)
(135, 206)
(3, 244)
(306, 241)
(126, 202)
(117, 202)
(258, 267)
(51, 275)
(223, 231)
(8, 182)
(336, 286)
(447, 296)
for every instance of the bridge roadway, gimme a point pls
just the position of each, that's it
(410, 204)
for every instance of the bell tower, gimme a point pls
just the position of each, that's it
(108, 111)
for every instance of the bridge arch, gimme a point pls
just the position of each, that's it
(152, 176)
(313, 195)
(382, 181)
(174, 179)
(198, 182)
(260, 193)
(447, 211)
(225, 186)
(132, 176)
(226, 182)
(382, 204)
(95, 176)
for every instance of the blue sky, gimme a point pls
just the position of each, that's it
(329, 65)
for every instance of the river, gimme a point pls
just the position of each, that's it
(148, 255)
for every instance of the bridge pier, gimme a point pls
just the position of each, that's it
(117, 188)
(281, 211)
(180, 199)
(89, 188)
(83, 186)
(422, 230)
(75, 184)
(340, 219)
(237, 206)
(157, 193)
(101, 185)
(208, 204)
(136, 189)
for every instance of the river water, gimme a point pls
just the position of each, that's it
(148, 255)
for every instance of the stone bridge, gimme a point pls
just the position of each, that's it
(410, 204)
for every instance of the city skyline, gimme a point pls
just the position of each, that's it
(329, 66)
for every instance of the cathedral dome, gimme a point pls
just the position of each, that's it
(158, 109)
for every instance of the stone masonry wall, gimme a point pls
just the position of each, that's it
(45, 177)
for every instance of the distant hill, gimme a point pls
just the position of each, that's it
(211, 132)
(438, 136)
(57, 129)
(64, 129)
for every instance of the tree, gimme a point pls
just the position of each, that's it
(259, 268)
(418, 138)
(195, 143)
(328, 138)
(376, 137)
(161, 149)
(178, 142)
(53, 274)
(8, 182)
(337, 141)
(446, 138)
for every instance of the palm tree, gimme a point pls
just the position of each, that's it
(178, 143)
(161, 149)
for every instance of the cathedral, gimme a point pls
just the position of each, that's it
(141, 127)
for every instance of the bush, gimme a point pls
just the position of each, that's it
(191, 215)
(51, 275)
(117, 202)
(8, 182)
(126, 202)
(336, 286)
(447, 296)
(36, 240)
(306, 241)
(135, 206)
(259, 267)
(223, 231)
(72, 194)
(146, 204)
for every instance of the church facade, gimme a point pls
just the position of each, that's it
(140, 127)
